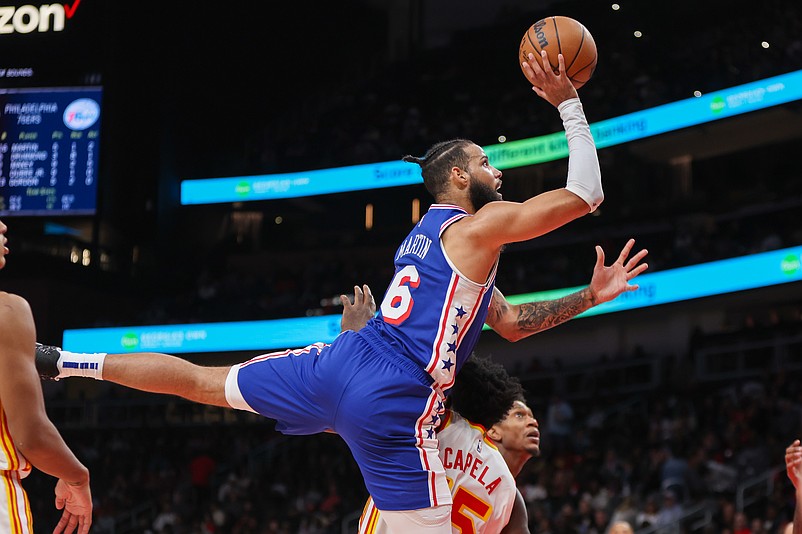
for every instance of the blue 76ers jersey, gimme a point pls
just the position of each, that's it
(430, 311)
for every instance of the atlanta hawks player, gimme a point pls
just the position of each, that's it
(27, 437)
(481, 457)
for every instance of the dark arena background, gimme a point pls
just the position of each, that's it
(681, 404)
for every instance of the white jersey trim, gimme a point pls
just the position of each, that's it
(233, 394)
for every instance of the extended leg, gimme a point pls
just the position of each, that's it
(146, 371)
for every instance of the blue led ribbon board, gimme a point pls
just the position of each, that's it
(696, 281)
(641, 124)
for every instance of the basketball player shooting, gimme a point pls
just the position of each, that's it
(383, 388)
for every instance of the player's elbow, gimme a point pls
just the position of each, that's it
(581, 202)
(508, 329)
(35, 443)
(517, 336)
(597, 201)
(511, 333)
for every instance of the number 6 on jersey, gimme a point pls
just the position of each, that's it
(398, 302)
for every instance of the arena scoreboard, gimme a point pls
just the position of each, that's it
(49, 150)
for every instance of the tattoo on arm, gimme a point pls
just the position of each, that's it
(538, 316)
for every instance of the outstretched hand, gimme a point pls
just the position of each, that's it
(793, 463)
(357, 315)
(553, 87)
(76, 500)
(3, 247)
(609, 282)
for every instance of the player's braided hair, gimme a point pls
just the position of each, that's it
(484, 392)
(437, 163)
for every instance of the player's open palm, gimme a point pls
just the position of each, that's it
(76, 500)
(553, 87)
(609, 282)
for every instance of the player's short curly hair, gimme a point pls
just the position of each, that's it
(436, 164)
(484, 392)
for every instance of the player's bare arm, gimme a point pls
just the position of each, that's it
(517, 321)
(3, 248)
(514, 322)
(21, 391)
(33, 433)
(519, 519)
(474, 243)
(793, 463)
(502, 222)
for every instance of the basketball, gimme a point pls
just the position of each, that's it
(566, 36)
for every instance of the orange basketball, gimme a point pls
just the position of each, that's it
(566, 36)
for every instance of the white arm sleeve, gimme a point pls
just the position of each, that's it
(584, 174)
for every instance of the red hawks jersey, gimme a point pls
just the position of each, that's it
(482, 486)
(15, 510)
(10, 457)
(430, 311)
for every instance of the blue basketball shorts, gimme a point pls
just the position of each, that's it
(377, 400)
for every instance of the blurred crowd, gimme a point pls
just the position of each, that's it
(473, 87)
(405, 107)
(164, 466)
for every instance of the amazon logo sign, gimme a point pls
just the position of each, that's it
(36, 19)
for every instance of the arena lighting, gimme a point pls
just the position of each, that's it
(638, 125)
(673, 285)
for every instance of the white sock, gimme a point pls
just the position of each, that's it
(81, 364)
